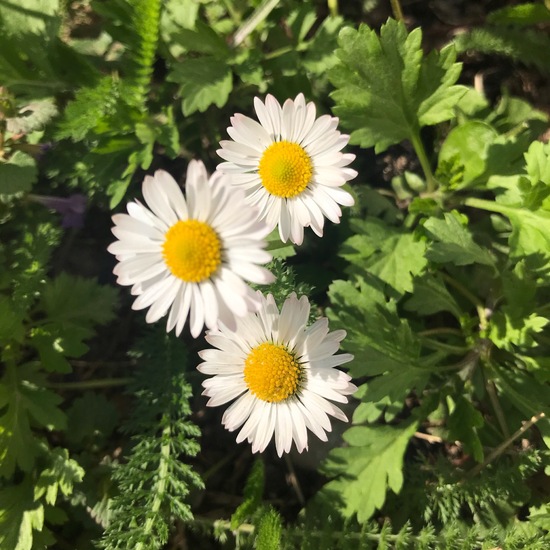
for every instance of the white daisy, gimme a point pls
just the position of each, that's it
(290, 165)
(281, 374)
(191, 255)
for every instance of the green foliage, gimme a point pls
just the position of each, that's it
(524, 45)
(386, 90)
(154, 482)
(439, 277)
(371, 464)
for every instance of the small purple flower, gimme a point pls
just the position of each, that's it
(71, 208)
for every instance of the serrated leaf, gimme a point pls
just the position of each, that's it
(537, 159)
(453, 243)
(33, 116)
(522, 14)
(91, 416)
(391, 255)
(205, 81)
(18, 174)
(430, 295)
(23, 404)
(467, 146)
(62, 474)
(380, 341)
(253, 492)
(270, 531)
(75, 300)
(386, 90)
(19, 516)
(463, 423)
(371, 464)
(11, 321)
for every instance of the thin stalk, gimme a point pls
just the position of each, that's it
(440, 330)
(504, 445)
(333, 7)
(431, 184)
(501, 417)
(471, 297)
(260, 13)
(162, 480)
(436, 345)
(483, 204)
(90, 384)
(397, 11)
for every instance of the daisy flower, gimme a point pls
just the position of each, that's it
(190, 256)
(281, 374)
(290, 165)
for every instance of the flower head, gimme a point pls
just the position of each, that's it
(190, 256)
(281, 374)
(290, 165)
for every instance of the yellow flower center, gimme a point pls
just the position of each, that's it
(272, 373)
(285, 169)
(192, 250)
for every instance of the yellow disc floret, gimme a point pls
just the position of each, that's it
(192, 250)
(285, 169)
(272, 373)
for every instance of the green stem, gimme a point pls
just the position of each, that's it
(501, 417)
(90, 384)
(162, 480)
(435, 344)
(431, 184)
(503, 446)
(482, 314)
(333, 7)
(260, 13)
(440, 330)
(397, 11)
(483, 204)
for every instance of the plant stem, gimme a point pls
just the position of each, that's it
(493, 397)
(483, 204)
(431, 184)
(90, 384)
(397, 11)
(440, 330)
(333, 7)
(471, 297)
(162, 479)
(260, 13)
(502, 447)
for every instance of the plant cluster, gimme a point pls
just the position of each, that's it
(439, 274)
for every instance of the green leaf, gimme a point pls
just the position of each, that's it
(522, 14)
(453, 242)
(74, 300)
(530, 229)
(33, 116)
(371, 464)
(19, 516)
(277, 248)
(23, 17)
(463, 423)
(466, 148)
(528, 46)
(379, 339)
(203, 82)
(62, 475)
(270, 530)
(18, 174)
(537, 159)
(384, 251)
(386, 90)
(430, 295)
(92, 417)
(253, 492)
(11, 322)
